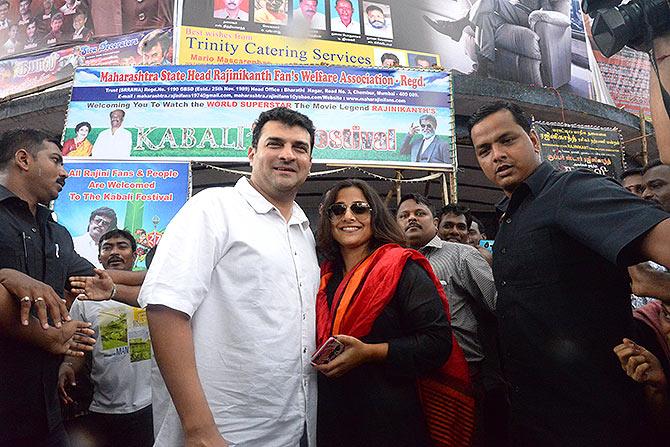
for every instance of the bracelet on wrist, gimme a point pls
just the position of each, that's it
(113, 294)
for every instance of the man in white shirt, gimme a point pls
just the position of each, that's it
(231, 11)
(230, 300)
(114, 143)
(100, 222)
(346, 22)
(428, 149)
(307, 15)
(121, 363)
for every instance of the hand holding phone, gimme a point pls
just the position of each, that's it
(327, 352)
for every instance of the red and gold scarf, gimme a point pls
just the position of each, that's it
(360, 298)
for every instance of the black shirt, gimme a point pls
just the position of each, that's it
(42, 249)
(559, 265)
(377, 404)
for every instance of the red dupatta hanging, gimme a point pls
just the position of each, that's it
(360, 298)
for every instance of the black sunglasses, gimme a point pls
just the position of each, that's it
(358, 208)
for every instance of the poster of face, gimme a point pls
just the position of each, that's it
(35, 25)
(535, 42)
(141, 198)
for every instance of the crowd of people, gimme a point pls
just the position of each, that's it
(439, 343)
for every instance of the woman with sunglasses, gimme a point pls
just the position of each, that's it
(387, 308)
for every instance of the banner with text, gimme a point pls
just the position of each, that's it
(515, 42)
(139, 197)
(373, 116)
(31, 72)
(570, 146)
(28, 26)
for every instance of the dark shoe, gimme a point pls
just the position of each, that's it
(452, 29)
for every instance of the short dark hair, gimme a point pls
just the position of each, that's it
(57, 15)
(373, 8)
(629, 172)
(421, 57)
(30, 139)
(285, 116)
(482, 228)
(391, 56)
(385, 228)
(82, 124)
(117, 232)
(103, 211)
(489, 109)
(456, 210)
(418, 198)
(348, 1)
(118, 110)
(652, 164)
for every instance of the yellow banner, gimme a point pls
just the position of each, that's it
(213, 46)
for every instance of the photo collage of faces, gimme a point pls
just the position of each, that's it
(352, 21)
(28, 26)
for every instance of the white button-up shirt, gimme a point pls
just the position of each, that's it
(86, 247)
(113, 146)
(248, 279)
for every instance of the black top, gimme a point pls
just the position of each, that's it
(377, 404)
(41, 248)
(559, 265)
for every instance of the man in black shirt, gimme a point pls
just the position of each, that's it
(37, 258)
(559, 266)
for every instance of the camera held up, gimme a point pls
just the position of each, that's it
(634, 24)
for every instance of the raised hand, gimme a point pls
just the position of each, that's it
(93, 288)
(640, 364)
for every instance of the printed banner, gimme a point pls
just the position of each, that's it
(37, 71)
(34, 72)
(27, 26)
(530, 42)
(152, 47)
(569, 146)
(374, 116)
(139, 197)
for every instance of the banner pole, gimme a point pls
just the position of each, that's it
(643, 132)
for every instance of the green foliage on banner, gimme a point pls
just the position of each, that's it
(134, 215)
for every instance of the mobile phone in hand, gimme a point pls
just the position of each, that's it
(327, 352)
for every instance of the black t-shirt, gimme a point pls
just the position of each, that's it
(378, 403)
(42, 249)
(559, 265)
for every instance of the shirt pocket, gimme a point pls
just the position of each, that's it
(534, 260)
